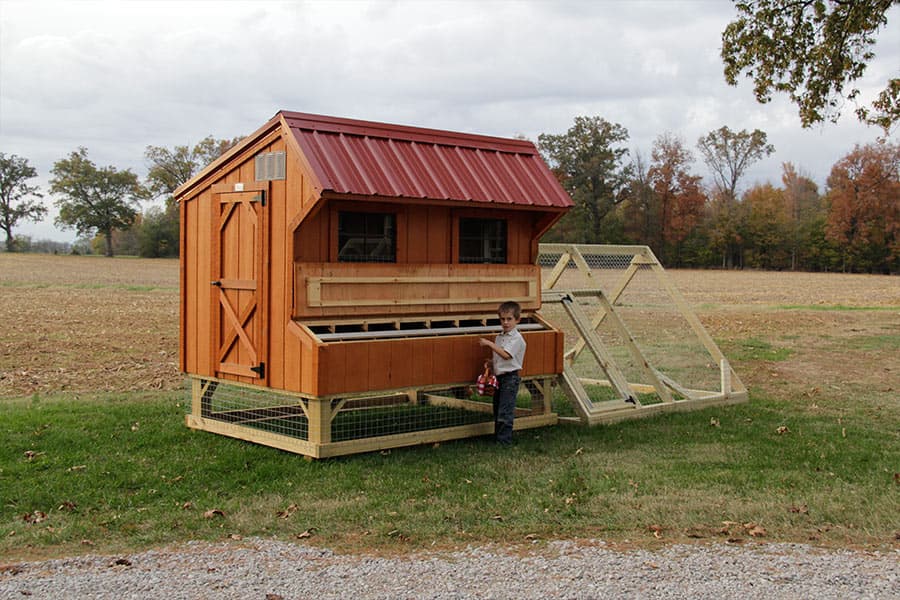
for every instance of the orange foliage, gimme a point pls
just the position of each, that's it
(864, 191)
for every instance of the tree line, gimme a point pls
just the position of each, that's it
(656, 200)
(852, 226)
(812, 50)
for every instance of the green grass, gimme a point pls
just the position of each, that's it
(836, 307)
(753, 349)
(123, 472)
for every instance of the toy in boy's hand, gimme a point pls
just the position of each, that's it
(486, 384)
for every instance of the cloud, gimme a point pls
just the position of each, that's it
(116, 77)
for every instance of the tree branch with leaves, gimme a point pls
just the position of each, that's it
(813, 50)
(94, 199)
(19, 201)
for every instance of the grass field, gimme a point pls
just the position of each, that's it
(94, 455)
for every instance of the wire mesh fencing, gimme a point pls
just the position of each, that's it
(331, 420)
(644, 330)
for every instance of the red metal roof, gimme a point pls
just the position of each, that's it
(378, 159)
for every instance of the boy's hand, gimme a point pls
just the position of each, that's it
(484, 342)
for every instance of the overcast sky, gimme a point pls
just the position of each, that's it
(116, 77)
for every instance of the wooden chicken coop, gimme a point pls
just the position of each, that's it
(336, 275)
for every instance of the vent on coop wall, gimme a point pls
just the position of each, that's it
(269, 166)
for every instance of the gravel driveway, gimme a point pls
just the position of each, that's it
(272, 570)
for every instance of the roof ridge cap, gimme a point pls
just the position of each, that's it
(375, 129)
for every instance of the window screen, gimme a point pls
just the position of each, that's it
(367, 237)
(482, 241)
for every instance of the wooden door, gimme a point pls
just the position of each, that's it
(240, 280)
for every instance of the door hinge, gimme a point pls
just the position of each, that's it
(260, 370)
(260, 197)
(216, 283)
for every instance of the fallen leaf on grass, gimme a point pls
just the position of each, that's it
(754, 530)
(67, 506)
(76, 468)
(497, 518)
(34, 517)
(695, 532)
(235, 536)
(801, 510)
(215, 512)
(656, 529)
(782, 430)
(286, 513)
(11, 569)
(714, 422)
(87, 543)
(305, 534)
(187, 506)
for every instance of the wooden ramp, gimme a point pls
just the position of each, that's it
(669, 364)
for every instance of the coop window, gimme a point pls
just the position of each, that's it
(367, 237)
(269, 166)
(482, 241)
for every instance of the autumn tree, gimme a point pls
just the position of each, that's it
(766, 227)
(640, 210)
(591, 164)
(168, 169)
(678, 194)
(864, 216)
(19, 201)
(814, 50)
(804, 209)
(94, 200)
(728, 155)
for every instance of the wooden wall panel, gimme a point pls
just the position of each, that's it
(203, 230)
(279, 300)
(437, 237)
(421, 362)
(415, 235)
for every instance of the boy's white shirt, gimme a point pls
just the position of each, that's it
(513, 342)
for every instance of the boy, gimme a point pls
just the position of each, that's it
(509, 354)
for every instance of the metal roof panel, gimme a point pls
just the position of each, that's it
(380, 159)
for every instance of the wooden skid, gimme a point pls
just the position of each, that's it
(317, 416)
(615, 414)
(291, 444)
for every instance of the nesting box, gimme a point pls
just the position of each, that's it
(336, 275)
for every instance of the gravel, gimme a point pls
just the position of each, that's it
(274, 570)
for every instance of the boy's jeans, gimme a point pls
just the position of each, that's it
(505, 406)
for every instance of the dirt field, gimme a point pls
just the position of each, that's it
(89, 324)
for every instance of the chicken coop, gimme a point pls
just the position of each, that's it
(336, 275)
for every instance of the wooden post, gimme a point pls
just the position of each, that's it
(319, 421)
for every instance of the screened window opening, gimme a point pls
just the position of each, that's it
(367, 237)
(482, 241)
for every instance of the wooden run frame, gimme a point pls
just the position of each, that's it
(628, 405)
(320, 413)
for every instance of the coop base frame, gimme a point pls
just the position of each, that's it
(321, 410)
